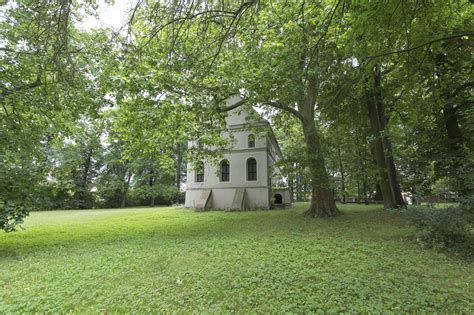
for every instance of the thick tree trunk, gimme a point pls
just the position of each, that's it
(387, 144)
(459, 161)
(322, 200)
(452, 125)
(460, 165)
(383, 181)
(388, 181)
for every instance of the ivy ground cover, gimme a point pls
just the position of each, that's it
(147, 260)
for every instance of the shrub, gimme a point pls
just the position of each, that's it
(449, 227)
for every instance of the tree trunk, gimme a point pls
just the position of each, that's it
(387, 144)
(179, 162)
(298, 188)
(82, 196)
(126, 185)
(460, 165)
(151, 182)
(383, 181)
(458, 157)
(359, 195)
(291, 187)
(452, 125)
(389, 185)
(341, 170)
(378, 192)
(364, 189)
(179, 169)
(363, 165)
(322, 200)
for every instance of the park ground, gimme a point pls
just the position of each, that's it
(145, 260)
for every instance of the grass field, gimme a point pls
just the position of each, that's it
(172, 259)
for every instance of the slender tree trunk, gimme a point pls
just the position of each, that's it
(179, 169)
(150, 183)
(363, 166)
(359, 195)
(322, 200)
(341, 170)
(299, 192)
(291, 187)
(179, 162)
(126, 185)
(84, 179)
(364, 189)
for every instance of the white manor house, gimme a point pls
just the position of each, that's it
(246, 177)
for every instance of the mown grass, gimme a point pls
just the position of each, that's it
(177, 260)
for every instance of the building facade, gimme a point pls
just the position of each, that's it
(246, 177)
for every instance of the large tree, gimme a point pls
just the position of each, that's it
(46, 82)
(274, 56)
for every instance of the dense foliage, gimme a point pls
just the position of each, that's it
(440, 228)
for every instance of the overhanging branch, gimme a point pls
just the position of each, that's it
(400, 51)
(283, 107)
(274, 104)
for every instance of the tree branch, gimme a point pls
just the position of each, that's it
(275, 104)
(24, 87)
(400, 51)
(278, 105)
(233, 106)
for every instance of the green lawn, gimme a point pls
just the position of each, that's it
(166, 259)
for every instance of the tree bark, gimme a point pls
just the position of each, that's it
(322, 200)
(459, 162)
(456, 144)
(151, 181)
(363, 165)
(388, 181)
(82, 196)
(291, 187)
(179, 162)
(126, 185)
(383, 181)
(341, 169)
(299, 193)
(387, 144)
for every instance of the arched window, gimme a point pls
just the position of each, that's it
(251, 169)
(225, 171)
(251, 141)
(199, 172)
